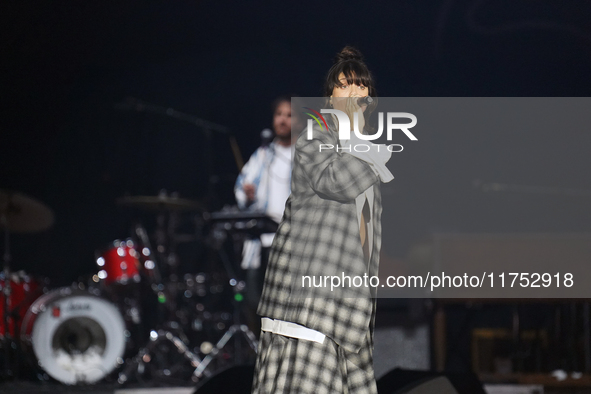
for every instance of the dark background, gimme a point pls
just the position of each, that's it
(65, 65)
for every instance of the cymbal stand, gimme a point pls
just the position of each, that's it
(165, 254)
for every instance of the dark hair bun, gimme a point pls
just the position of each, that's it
(349, 53)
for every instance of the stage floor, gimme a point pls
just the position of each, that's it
(22, 387)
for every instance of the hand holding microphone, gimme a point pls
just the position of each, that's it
(357, 105)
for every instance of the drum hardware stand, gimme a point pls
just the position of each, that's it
(164, 252)
(7, 341)
(228, 223)
(234, 329)
(144, 241)
(162, 282)
(137, 365)
(18, 214)
(237, 327)
(167, 292)
(144, 356)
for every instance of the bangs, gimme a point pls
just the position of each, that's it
(355, 72)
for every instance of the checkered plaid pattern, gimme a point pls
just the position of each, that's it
(288, 365)
(319, 235)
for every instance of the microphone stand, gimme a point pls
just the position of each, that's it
(134, 104)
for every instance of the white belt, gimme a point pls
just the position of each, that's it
(291, 330)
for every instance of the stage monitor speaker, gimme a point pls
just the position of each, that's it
(400, 381)
(235, 380)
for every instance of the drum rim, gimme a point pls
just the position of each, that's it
(115, 346)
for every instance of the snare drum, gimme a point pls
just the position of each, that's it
(119, 263)
(24, 289)
(76, 337)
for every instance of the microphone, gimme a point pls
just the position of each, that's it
(266, 137)
(367, 100)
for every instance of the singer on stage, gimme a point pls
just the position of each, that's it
(312, 344)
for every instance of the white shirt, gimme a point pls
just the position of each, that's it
(269, 169)
(359, 201)
(279, 184)
(279, 174)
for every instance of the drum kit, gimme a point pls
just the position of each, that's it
(136, 317)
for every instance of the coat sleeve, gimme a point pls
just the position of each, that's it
(331, 174)
(246, 175)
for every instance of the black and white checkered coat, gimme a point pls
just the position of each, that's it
(319, 235)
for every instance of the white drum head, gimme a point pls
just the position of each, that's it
(78, 338)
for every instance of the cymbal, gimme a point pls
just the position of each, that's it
(161, 203)
(24, 214)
